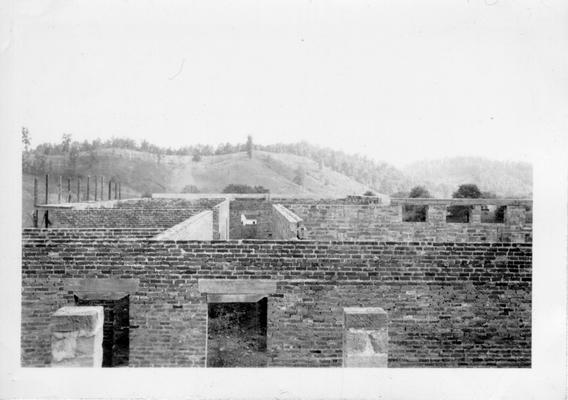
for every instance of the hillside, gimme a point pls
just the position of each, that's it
(442, 177)
(275, 171)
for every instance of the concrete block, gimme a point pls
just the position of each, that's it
(83, 361)
(365, 317)
(365, 337)
(366, 361)
(379, 339)
(77, 337)
(85, 320)
(63, 347)
(358, 342)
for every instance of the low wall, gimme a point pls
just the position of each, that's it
(285, 224)
(77, 337)
(448, 304)
(221, 220)
(335, 221)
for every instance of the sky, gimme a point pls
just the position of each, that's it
(395, 81)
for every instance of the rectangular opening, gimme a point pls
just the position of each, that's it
(236, 334)
(458, 214)
(493, 214)
(116, 329)
(414, 213)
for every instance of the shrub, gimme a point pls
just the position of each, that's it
(190, 189)
(419, 192)
(240, 188)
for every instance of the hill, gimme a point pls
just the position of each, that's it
(277, 172)
(442, 177)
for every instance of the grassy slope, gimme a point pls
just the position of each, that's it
(275, 171)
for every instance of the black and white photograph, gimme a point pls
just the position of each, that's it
(300, 199)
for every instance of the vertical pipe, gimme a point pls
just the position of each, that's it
(88, 179)
(102, 188)
(96, 184)
(119, 191)
(115, 190)
(35, 191)
(78, 188)
(59, 184)
(68, 190)
(109, 188)
(46, 189)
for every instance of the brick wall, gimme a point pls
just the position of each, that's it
(258, 209)
(336, 221)
(449, 304)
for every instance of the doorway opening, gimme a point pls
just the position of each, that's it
(116, 329)
(236, 334)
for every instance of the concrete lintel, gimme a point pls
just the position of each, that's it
(102, 286)
(100, 295)
(234, 298)
(364, 310)
(234, 286)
